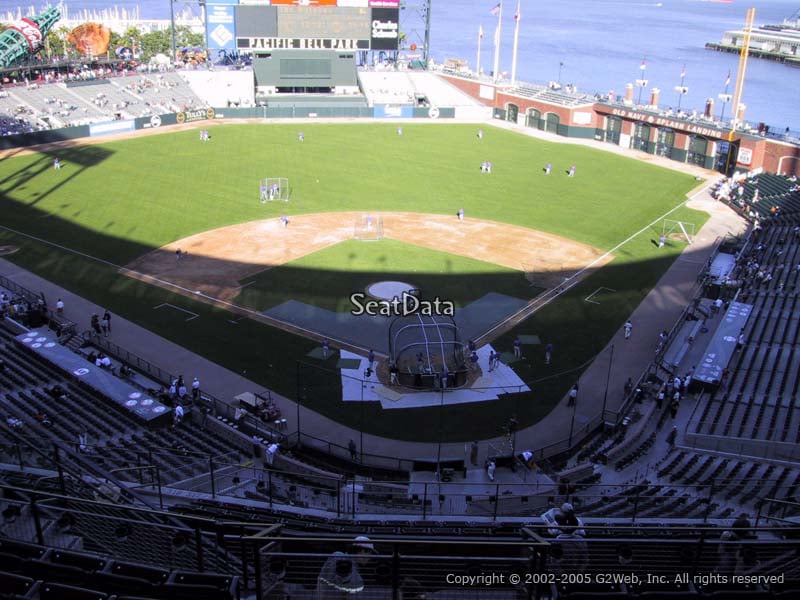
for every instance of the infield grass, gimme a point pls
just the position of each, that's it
(349, 267)
(119, 200)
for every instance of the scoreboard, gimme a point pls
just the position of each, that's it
(316, 25)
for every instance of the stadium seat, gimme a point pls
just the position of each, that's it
(87, 562)
(12, 585)
(667, 595)
(178, 591)
(12, 563)
(224, 583)
(54, 591)
(42, 569)
(739, 595)
(21, 549)
(151, 574)
(113, 583)
(602, 590)
(593, 595)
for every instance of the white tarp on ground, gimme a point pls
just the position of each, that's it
(502, 380)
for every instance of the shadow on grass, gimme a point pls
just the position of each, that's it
(268, 356)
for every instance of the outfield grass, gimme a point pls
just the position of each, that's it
(120, 200)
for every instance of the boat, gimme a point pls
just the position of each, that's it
(779, 42)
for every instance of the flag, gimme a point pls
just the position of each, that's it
(495, 11)
(683, 72)
(643, 66)
(517, 14)
(480, 32)
(728, 80)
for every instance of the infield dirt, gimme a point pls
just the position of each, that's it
(215, 262)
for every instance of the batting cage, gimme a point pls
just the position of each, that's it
(274, 188)
(428, 351)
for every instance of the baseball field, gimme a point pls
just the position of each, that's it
(107, 225)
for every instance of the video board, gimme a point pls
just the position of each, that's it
(318, 25)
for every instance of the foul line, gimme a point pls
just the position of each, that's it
(186, 291)
(597, 291)
(188, 312)
(572, 280)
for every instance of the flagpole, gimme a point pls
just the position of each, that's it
(682, 88)
(516, 42)
(478, 61)
(496, 68)
(725, 97)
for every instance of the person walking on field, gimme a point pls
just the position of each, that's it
(106, 323)
(573, 395)
(351, 446)
(517, 348)
(473, 454)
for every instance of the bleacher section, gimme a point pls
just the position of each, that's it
(417, 89)
(53, 105)
(762, 196)
(120, 546)
(222, 88)
(757, 408)
(547, 94)
(439, 92)
(27, 569)
(387, 87)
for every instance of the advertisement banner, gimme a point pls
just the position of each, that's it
(303, 2)
(385, 27)
(745, 156)
(200, 114)
(393, 111)
(221, 26)
(96, 129)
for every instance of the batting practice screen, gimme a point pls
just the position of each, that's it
(334, 25)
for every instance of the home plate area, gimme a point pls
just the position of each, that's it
(489, 386)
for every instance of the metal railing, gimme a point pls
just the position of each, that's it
(61, 324)
(130, 359)
(525, 565)
(408, 555)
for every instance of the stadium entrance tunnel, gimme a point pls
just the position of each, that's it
(427, 351)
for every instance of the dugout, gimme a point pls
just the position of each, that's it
(305, 72)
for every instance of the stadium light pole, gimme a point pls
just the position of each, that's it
(361, 430)
(441, 427)
(572, 423)
(605, 393)
(172, 28)
(297, 401)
